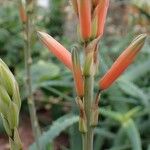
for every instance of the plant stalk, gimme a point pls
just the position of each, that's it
(88, 99)
(28, 62)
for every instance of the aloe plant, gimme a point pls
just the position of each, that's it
(91, 16)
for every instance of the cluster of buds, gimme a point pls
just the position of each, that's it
(10, 104)
(92, 16)
(72, 62)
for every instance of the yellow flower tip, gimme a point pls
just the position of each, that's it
(122, 62)
(56, 48)
(139, 40)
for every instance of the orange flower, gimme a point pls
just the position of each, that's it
(77, 73)
(84, 10)
(57, 49)
(101, 12)
(22, 11)
(123, 61)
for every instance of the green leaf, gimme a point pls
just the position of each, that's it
(120, 138)
(59, 93)
(42, 71)
(137, 71)
(55, 129)
(111, 114)
(56, 83)
(104, 133)
(133, 90)
(99, 141)
(133, 134)
(75, 138)
(132, 112)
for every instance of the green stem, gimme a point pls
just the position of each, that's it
(88, 99)
(28, 62)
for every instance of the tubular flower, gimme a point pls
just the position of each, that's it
(123, 61)
(84, 11)
(77, 73)
(57, 49)
(101, 13)
(22, 11)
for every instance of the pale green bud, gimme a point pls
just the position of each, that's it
(6, 125)
(16, 96)
(13, 115)
(4, 100)
(7, 78)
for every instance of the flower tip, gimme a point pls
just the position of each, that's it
(141, 38)
(41, 34)
(139, 41)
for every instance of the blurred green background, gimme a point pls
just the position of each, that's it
(53, 84)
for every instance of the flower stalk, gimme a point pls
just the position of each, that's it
(28, 11)
(92, 17)
(88, 136)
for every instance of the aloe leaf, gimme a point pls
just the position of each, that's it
(133, 134)
(133, 90)
(111, 114)
(55, 129)
(137, 71)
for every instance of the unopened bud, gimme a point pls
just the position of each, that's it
(84, 10)
(4, 101)
(16, 96)
(6, 125)
(77, 73)
(122, 62)
(13, 115)
(22, 11)
(7, 78)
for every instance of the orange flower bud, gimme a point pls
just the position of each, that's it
(101, 12)
(22, 11)
(77, 73)
(57, 49)
(123, 61)
(84, 10)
